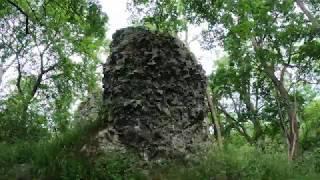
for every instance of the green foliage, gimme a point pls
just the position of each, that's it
(60, 158)
(158, 18)
(54, 54)
(54, 46)
(239, 162)
(118, 166)
(234, 162)
(311, 126)
(54, 157)
(15, 127)
(272, 55)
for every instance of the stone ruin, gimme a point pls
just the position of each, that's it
(154, 92)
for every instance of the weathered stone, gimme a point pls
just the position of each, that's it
(154, 91)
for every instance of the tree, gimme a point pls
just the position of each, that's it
(53, 46)
(271, 37)
(214, 116)
(234, 90)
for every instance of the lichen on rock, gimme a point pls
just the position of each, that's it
(154, 91)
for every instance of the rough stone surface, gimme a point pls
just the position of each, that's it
(154, 91)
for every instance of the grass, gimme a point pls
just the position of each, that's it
(59, 158)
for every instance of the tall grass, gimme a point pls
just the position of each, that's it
(59, 158)
(235, 163)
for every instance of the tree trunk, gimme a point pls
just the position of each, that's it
(214, 116)
(293, 134)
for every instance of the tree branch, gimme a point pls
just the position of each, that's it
(34, 12)
(19, 76)
(23, 12)
(282, 73)
(311, 18)
(214, 116)
(18, 7)
(238, 126)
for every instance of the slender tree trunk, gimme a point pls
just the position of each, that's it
(215, 119)
(293, 134)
